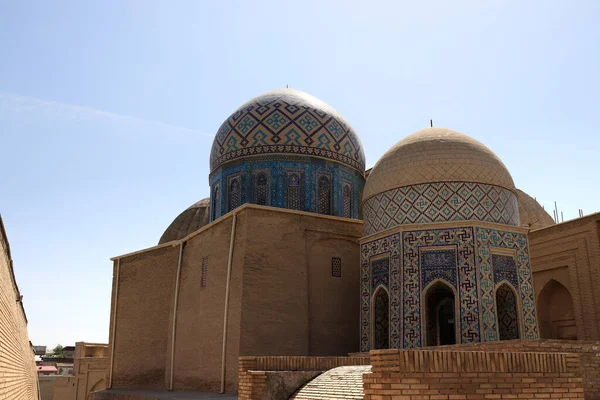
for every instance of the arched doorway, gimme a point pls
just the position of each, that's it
(556, 315)
(381, 319)
(507, 313)
(440, 315)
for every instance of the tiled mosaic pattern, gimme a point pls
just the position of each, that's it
(281, 175)
(464, 240)
(505, 269)
(508, 320)
(387, 247)
(416, 258)
(282, 124)
(440, 202)
(438, 264)
(487, 239)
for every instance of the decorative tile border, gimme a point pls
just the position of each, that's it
(440, 202)
(486, 240)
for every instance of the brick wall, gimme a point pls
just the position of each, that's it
(252, 380)
(18, 378)
(455, 375)
(589, 356)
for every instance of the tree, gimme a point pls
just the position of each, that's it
(58, 352)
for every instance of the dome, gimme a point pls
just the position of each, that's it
(436, 155)
(192, 219)
(287, 121)
(532, 214)
(438, 175)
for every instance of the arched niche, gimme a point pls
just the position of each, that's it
(556, 315)
(507, 312)
(440, 314)
(380, 319)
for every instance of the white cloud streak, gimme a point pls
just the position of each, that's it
(12, 104)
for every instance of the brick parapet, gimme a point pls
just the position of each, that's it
(456, 375)
(252, 378)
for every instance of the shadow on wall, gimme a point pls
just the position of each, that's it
(555, 312)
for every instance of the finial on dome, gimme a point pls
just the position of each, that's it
(431, 123)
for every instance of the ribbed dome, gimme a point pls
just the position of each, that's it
(532, 213)
(192, 219)
(287, 121)
(436, 155)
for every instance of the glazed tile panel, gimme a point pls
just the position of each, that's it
(440, 202)
(467, 259)
(286, 125)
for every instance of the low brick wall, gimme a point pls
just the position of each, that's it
(588, 350)
(455, 375)
(254, 372)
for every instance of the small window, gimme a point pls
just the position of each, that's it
(336, 267)
(234, 194)
(324, 195)
(347, 202)
(204, 268)
(261, 189)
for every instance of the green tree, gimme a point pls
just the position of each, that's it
(58, 352)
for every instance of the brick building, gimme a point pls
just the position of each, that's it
(302, 254)
(18, 377)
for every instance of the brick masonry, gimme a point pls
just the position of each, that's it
(18, 378)
(253, 375)
(456, 375)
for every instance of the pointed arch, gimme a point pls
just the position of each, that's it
(234, 193)
(380, 318)
(215, 203)
(261, 189)
(100, 385)
(347, 201)
(440, 312)
(324, 195)
(508, 315)
(556, 313)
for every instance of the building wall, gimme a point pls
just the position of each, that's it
(18, 377)
(143, 306)
(565, 259)
(201, 307)
(396, 261)
(283, 298)
(293, 305)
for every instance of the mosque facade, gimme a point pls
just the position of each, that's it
(300, 251)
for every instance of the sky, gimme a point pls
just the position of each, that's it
(108, 109)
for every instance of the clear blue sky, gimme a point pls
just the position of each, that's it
(107, 109)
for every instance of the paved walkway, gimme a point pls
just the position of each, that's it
(166, 395)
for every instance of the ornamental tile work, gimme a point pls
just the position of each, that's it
(290, 122)
(505, 269)
(472, 260)
(487, 239)
(464, 241)
(440, 202)
(287, 182)
(438, 264)
(370, 253)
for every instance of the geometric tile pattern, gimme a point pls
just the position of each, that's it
(438, 264)
(508, 319)
(440, 202)
(278, 170)
(287, 122)
(467, 258)
(464, 241)
(487, 239)
(505, 268)
(387, 248)
(380, 273)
